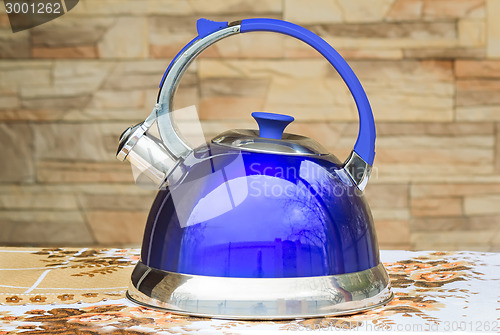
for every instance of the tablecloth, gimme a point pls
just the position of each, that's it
(82, 291)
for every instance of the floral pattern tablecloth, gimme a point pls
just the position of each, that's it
(82, 291)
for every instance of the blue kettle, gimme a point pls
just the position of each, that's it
(256, 224)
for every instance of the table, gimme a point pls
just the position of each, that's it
(70, 291)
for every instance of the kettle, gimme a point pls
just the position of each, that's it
(256, 224)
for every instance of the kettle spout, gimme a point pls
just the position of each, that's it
(148, 154)
(358, 170)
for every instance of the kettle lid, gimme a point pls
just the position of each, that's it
(270, 137)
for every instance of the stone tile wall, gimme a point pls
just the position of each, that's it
(431, 69)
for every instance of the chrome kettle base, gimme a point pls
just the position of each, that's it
(260, 298)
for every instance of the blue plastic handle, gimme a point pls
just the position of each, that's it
(365, 143)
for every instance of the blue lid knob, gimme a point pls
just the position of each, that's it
(272, 125)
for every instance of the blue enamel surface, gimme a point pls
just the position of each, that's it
(272, 125)
(260, 215)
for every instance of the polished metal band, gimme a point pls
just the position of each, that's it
(358, 170)
(260, 298)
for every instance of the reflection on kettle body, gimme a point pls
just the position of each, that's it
(254, 228)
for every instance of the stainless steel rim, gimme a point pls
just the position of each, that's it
(260, 298)
(290, 144)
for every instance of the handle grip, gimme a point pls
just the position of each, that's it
(365, 143)
(210, 32)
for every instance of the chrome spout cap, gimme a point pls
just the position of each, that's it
(128, 139)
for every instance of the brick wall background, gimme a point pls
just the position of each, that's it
(431, 69)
